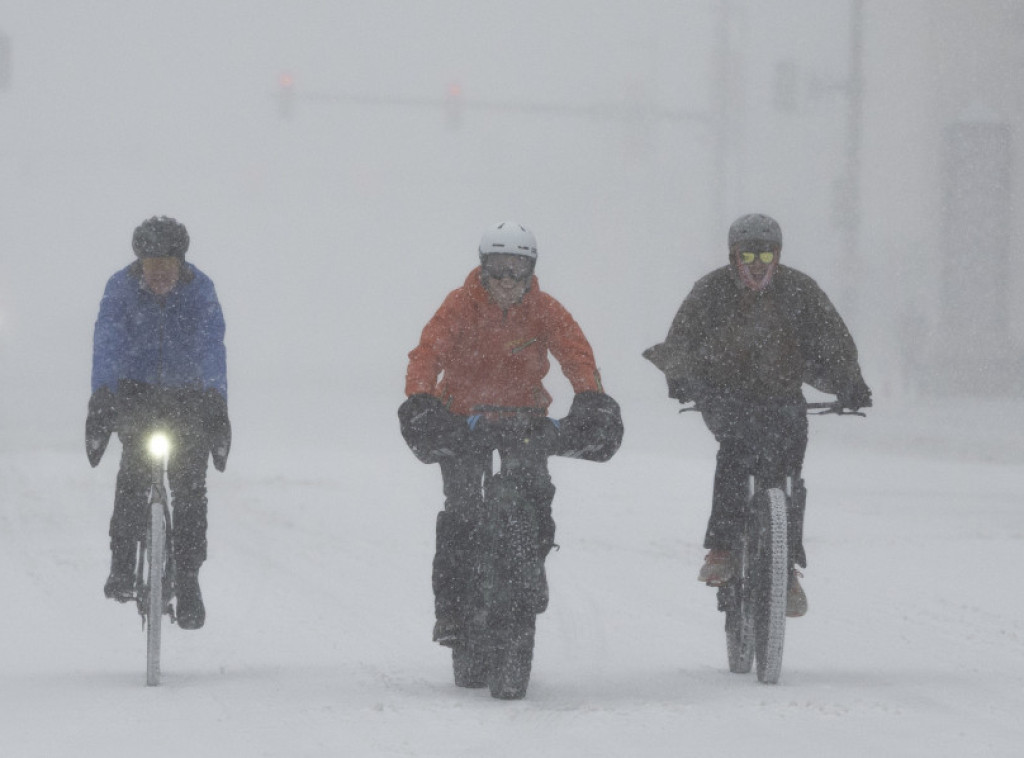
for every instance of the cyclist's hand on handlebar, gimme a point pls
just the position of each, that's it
(855, 396)
(684, 392)
(592, 430)
(430, 430)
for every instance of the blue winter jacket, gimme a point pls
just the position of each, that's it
(174, 341)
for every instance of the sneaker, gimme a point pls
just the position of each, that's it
(447, 632)
(796, 600)
(718, 568)
(120, 586)
(191, 611)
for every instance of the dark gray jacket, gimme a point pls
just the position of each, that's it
(729, 340)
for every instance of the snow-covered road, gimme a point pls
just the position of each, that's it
(319, 607)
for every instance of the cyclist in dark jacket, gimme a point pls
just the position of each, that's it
(159, 359)
(742, 344)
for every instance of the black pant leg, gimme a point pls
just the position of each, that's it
(186, 476)
(729, 496)
(128, 521)
(455, 534)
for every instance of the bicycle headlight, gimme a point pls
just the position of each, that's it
(159, 445)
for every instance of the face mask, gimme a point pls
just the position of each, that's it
(750, 281)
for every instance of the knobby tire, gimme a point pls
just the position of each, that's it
(511, 661)
(739, 621)
(469, 662)
(770, 571)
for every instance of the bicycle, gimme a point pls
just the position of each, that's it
(154, 568)
(508, 587)
(754, 600)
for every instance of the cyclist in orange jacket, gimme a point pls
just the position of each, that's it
(487, 349)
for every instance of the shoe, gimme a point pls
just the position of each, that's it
(796, 600)
(447, 632)
(120, 585)
(718, 568)
(191, 611)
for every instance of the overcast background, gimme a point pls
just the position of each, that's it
(334, 234)
(627, 135)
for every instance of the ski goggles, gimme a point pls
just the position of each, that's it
(766, 257)
(520, 268)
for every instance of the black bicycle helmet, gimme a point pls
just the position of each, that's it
(160, 237)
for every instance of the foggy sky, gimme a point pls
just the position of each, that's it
(334, 234)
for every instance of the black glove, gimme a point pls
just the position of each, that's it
(684, 392)
(593, 429)
(430, 430)
(855, 396)
(217, 426)
(99, 424)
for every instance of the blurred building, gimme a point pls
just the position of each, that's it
(942, 178)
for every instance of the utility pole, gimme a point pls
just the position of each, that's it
(721, 121)
(851, 200)
(5, 62)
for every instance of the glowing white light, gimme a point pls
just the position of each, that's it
(159, 445)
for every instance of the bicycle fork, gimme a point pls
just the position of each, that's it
(157, 498)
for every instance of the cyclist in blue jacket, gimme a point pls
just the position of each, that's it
(159, 359)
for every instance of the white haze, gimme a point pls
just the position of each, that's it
(333, 235)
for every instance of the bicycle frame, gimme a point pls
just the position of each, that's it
(510, 587)
(754, 600)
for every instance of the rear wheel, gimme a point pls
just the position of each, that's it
(770, 575)
(739, 626)
(156, 544)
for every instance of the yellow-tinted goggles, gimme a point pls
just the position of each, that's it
(766, 257)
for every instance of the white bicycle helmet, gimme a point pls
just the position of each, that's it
(509, 238)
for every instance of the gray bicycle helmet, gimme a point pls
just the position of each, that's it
(755, 228)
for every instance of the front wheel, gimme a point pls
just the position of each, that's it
(511, 659)
(770, 575)
(157, 544)
(469, 663)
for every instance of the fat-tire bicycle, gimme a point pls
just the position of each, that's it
(508, 587)
(754, 599)
(154, 567)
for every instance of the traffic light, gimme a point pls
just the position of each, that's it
(285, 95)
(453, 105)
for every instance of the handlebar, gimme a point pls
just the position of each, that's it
(511, 427)
(507, 410)
(834, 407)
(819, 409)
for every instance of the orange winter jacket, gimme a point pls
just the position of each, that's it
(471, 353)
